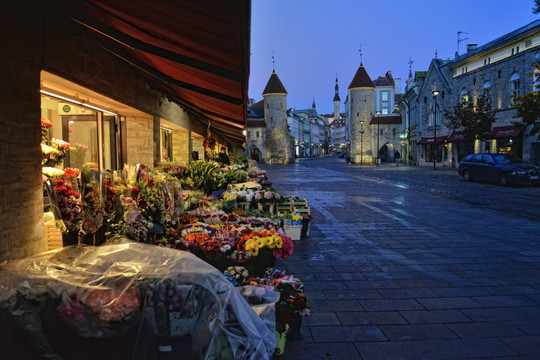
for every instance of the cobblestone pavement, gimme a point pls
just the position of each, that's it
(411, 263)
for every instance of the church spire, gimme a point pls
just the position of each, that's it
(336, 96)
(313, 106)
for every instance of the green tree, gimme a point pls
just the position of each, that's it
(528, 108)
(472, 119)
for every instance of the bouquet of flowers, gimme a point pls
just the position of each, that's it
(68, 199)
(292, 219)
(100, 312)
(92, 202)
(49, 156)
(237, 275)
(172, 308)
(46, 124)
(266, 196)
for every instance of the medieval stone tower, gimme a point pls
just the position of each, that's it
(361, 97)
(278, 140)
(337, 102)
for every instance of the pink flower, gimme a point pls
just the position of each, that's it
(277, 196)
(268, 195)
(258, 196)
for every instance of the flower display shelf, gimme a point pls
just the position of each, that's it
(293, 231)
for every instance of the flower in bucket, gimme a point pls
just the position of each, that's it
(237, 275)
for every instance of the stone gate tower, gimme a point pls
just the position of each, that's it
(278, 139)
(361, 97)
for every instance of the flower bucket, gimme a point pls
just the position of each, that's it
(281, 340)
(293, 231)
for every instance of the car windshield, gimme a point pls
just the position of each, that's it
(506, 159)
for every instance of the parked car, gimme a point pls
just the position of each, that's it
(503, 168)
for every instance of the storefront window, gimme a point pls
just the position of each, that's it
(429, 153)
(166, 145)
(82, 129)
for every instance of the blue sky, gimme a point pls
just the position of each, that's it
(313, 40)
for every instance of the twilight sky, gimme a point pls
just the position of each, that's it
(313, 40)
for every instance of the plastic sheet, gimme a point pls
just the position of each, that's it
(123, 286)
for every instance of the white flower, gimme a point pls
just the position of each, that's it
(131, 216)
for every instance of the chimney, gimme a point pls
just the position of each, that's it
(471, 47)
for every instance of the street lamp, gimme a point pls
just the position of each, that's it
(361, 142)
(378, 133)
(435, 93)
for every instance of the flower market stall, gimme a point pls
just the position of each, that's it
(171, 235)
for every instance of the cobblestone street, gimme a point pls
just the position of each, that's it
(412, 263)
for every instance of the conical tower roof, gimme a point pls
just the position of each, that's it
(274, 85)
(361, 79)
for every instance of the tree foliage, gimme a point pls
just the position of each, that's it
(472, 119)
(536, 7)
(528, 108)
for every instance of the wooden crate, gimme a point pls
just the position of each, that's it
(53, 236)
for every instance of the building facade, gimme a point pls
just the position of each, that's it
(496, 70)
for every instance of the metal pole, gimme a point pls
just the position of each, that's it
(435, 93)
(378, 134)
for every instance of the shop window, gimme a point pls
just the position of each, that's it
(79, 130)
(166, 145)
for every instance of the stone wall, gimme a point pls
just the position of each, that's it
(21, 196)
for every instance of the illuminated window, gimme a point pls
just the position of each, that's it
(487, 91)
(77, 126)
(464, 96)
(166, 145)
(515, 84)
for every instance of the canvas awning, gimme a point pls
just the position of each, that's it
(430, 140)
(505, 132)
(456, 136)
(195, 51)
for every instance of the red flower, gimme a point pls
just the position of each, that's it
(135, 191)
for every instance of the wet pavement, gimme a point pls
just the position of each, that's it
(412, 263)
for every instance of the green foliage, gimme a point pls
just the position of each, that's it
(205, 175)
(528, 108)
(472, 119)
(238, 160)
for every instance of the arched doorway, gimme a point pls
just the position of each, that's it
(255, 154)
(386, 152)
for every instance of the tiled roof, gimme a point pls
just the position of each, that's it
(361, 79)
(256, 123)
(274, 85)
(386, 80)
(393, 119)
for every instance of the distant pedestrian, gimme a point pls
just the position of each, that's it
(397, 156)
(411, 160)
(348, 156)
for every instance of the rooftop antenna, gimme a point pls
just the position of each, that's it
(273, 62)
(360, 51)
(460, 39)
(410, 66)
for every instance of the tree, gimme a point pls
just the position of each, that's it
(528, 107)
(536, 7)
(472, 119)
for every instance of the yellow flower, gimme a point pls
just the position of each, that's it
(279, 243)
(260, 242)
(269, 240)
(254, 251)
(249, 244)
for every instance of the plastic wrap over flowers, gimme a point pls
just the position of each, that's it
(106, 291)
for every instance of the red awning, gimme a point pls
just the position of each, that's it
(505, 132)
(429, 140)
(196, 51)
(456, 136)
